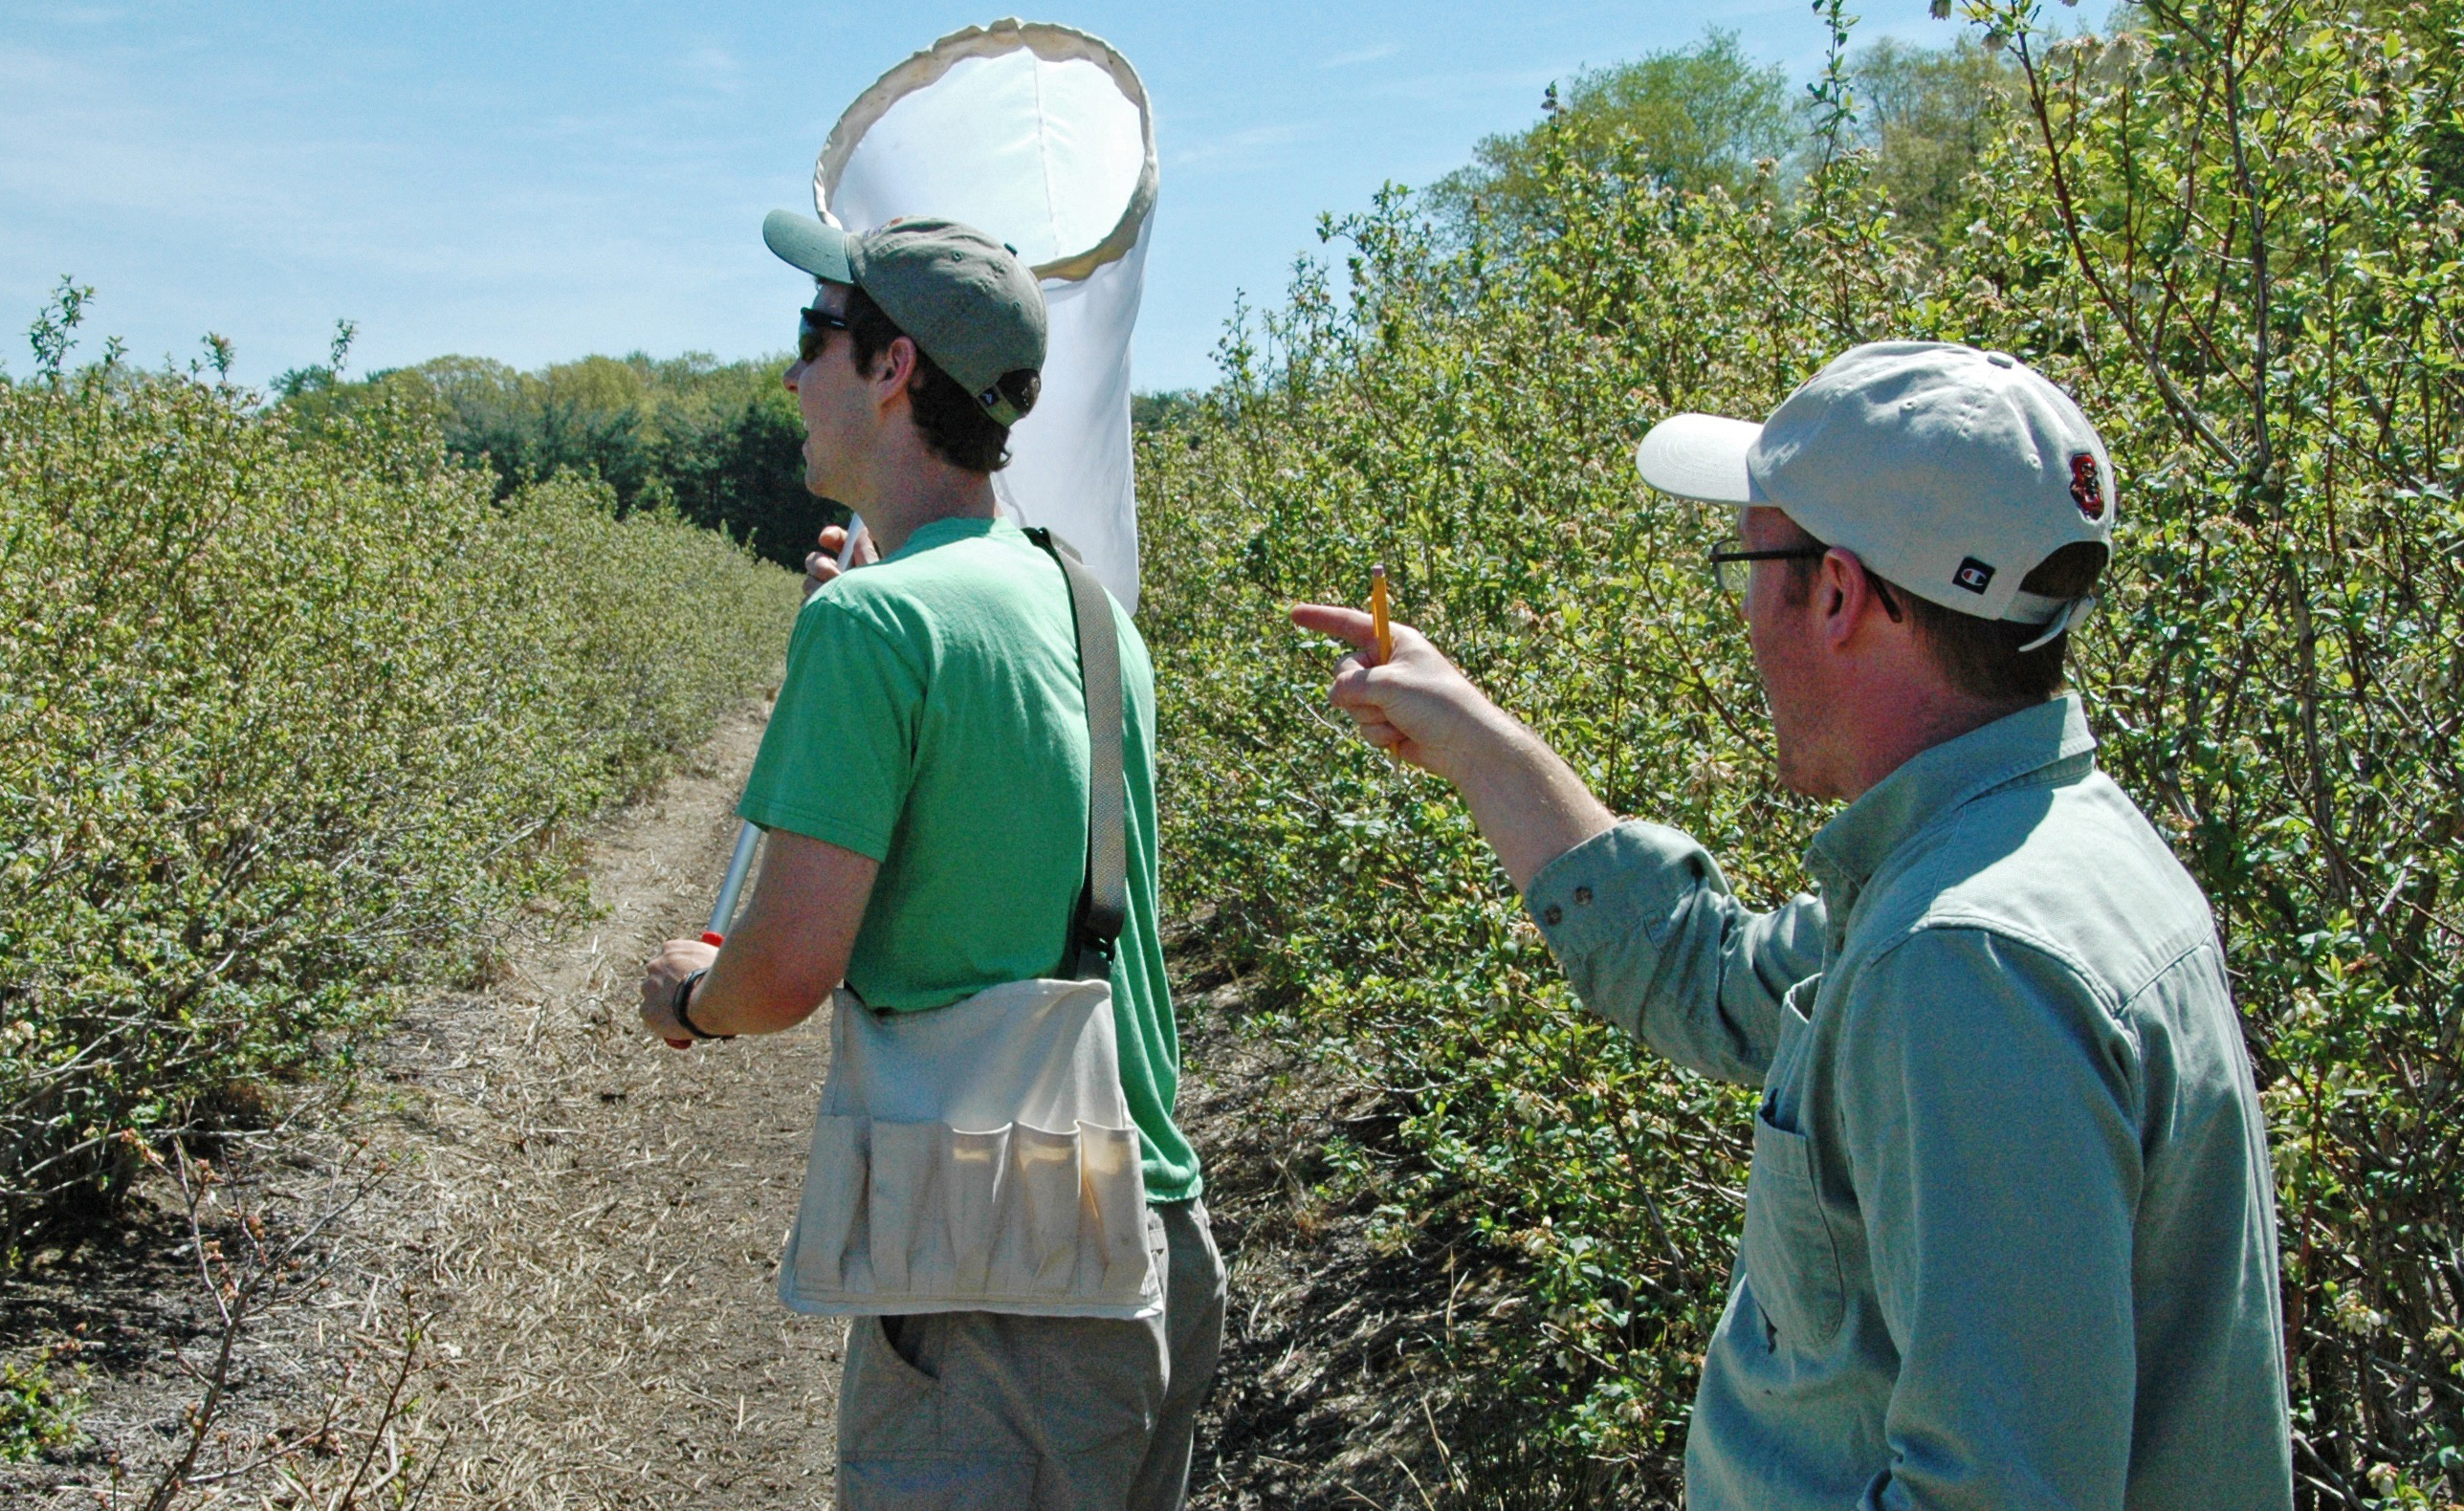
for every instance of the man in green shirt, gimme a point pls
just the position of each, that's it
(2010, 1232)
(924, 782)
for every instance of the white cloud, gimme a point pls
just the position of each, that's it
(1233, 151)
(75, 140)
(1365, 55)
(1450, 88)
(714, 68)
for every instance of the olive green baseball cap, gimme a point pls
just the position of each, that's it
(967, 300)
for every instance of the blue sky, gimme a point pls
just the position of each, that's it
(534, 183)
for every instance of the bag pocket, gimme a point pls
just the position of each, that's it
(921, 1217)
(1045, 1165)
(1116, 1210)
(1791, 1266)
(826, 1218)
(973, 1183)
(900, 1181)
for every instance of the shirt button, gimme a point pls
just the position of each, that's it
(1582, 897)
(1553, 916)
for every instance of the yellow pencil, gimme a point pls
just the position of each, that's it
(1378, 615)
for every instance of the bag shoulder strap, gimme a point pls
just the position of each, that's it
(1103, 900)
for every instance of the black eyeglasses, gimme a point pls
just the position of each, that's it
(813, 326)
(1731, 562)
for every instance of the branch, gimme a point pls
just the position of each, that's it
(2077, 240)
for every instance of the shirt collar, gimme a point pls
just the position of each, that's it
(941, 531)
(1931, 784)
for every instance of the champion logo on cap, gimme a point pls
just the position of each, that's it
(2085, 490)
(1973, 575)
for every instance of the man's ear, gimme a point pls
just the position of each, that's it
(1846, 595)
(892, 373)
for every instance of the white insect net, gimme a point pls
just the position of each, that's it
(1039, 135)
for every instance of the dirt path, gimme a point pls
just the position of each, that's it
(574, 1229)
(600, 1217)
(575, 1243)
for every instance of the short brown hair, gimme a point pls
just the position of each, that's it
(1981, 657)
(955, 428)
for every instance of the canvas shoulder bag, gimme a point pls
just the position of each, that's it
(981, 1156)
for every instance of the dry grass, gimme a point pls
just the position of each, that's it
(606, 1214)
(561, 1240)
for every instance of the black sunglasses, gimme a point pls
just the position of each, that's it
(813, 326)
(1729, 564)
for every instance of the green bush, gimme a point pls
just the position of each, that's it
(2227, 233)
(286, 719)
(37, 1413)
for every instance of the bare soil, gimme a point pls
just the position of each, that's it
(1353, 1365)
(531, 1257)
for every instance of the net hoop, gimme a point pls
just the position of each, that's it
(1046, 40)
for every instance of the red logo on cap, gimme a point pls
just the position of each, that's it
(2085, 488)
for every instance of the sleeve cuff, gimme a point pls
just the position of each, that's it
(1622, 885)
(829, 828)
(1609, 908)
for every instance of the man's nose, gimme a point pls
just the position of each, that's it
(788, 379)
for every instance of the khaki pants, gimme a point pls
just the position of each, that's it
(988, 1411)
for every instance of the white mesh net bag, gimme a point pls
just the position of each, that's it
(1039, 135)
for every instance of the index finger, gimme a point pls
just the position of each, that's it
(1349, 625)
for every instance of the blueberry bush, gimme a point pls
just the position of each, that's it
(2235, 231)
(290, 718)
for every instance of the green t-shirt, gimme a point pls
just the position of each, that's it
(933, 719)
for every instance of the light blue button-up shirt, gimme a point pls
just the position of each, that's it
(2010, 1231)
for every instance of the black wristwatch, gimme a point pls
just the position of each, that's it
(684, 999)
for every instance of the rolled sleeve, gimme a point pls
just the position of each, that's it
(1643, 924)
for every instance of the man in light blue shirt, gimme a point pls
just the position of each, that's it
(2010, 1230)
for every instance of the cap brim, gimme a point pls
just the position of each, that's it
(803, 242)
(1699, 456)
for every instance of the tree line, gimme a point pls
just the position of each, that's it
(718, 444)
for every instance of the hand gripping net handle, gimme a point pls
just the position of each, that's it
(1104, 901)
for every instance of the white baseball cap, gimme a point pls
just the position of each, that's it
(1950, 471)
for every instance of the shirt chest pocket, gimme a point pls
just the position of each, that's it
(1791, 1265)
